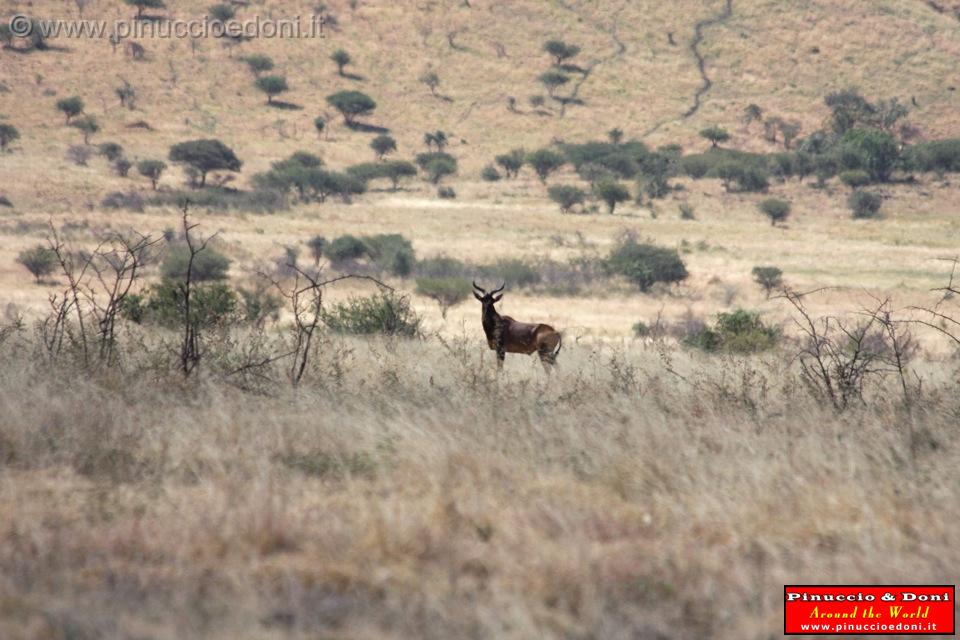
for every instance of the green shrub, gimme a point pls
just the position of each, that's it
(8, 134)
(545, 162)
(382, 145)
(877, 151)
(386, 313)
(490, 173)
(70, 107)
(152, 170)
(511, 162)
(346, 247)
(739, 331)
(131, 201)
(442, 267)
(258, 63)
(612, 193)
(865, 204)
(775, 209)
(566, 196)
(646, 264)
(110, 150)
(208, 264)
(40, 261)
(164, 304)
(695, 166)
(855, 178)
(446, 193)
(941, 156)
(389, 252)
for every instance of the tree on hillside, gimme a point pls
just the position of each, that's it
(341, 58)
(203, 156)
(87, 125)
(151, 169)
(396, 170)
(351, 105)
(319, 123)
(8, 133)
(553, 80)
(615, 135)
(317, 244)
(612, 193)
(259, 63)
(769, 278)
(222, 12)
(382, 145)
(439, 167)
(145, 4)
(432, 80)
(70, 107)
(272, 86)
(511, 162)
(127, 95)
(715, 135)
(877, 151)
(560, 50)
(752, 113)
(437, 137)
(545, 162)
(566, 196)
(40, 261)
(776, 210)
(647, 264)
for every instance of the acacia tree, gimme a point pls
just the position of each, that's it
(351, 105)
(341, 58)
(8, 133)
(612, 193)
(715, 135)
(553, 80)
(145, 4)
(152, 170)
(272, 86)
(203, 156)
(382, 145)
(560, 50)
(545, 162)
(259, 63)
(432, 80)
(70, 107)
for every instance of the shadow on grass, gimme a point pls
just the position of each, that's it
(286, 106)
(367, 128)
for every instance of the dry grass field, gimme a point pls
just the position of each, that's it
(406, 489)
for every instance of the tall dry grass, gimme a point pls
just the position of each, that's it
(407, 491)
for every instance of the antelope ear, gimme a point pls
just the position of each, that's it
(498, 298)
(477, 296)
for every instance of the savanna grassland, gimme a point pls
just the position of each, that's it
(168, 476)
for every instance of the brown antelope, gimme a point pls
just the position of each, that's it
(506, 335)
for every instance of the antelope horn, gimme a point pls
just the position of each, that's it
(478, 287)
(500, 289)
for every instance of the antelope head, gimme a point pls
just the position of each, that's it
(487, 299)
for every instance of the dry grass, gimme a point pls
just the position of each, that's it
(407, 492)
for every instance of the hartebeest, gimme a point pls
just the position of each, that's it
(506, 335)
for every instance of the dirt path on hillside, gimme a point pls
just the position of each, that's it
(706, 82)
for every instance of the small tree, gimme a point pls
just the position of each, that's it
(865, 204)
(553, 80)
(204, 156)
(752, 113)
(545, 162)
(272, 86)
(646, 264)
(489, 173)
(110, 150)
(715, 135)
(152, 170)
(341, 58)
(439, 167)
(615, 135)
(612, 193)
(87, 125)
(432, 80)
(776, 210)
(437, 137)
(79, 154)
(70, 107)
(127, 95)
(768, 278)
(560, 50)
(145, 4)
(855, 178)
(40, 261)
(316, 244)
(320, 125)
(382, 145)
(351, 104)
(396, 170)
(511, 162)
(222, 12)
(122, 166)
(8, 134)
(566, 196)
(447, 292)
(259, 63)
